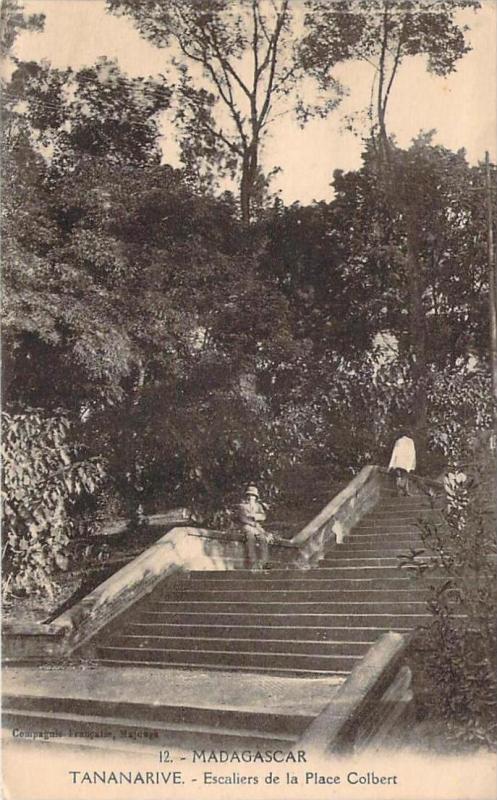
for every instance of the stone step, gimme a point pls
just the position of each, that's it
(182, 735)
(344, 552)
(272, 595)
(337, 572)
(375, 544)
(372, 541)
(334, 568)
(241, 668)
(228, 658)
(347, 560)
(392, 546)
(349, 571)
(408, 503)
(379, 547)
(283, 632)
(262, 607)
(393, 501)
(389, 490)
(392, 560)
(396, 523)
(362, 618)
(399, 518)
(267, 722)
(367, 541)
(263, 582)
(407, 531)
(242, 645)
(378, 538)
(403, 509)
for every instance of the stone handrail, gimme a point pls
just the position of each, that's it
(336, 519)
(368, 704)
(178, 551)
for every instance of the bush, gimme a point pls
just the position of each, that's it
(457, 651)
(43, 480)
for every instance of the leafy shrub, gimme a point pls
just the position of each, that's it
(457, 651)
(460, 405)
(42, 482)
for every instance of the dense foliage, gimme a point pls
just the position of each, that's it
(456, 652)
(44, 477)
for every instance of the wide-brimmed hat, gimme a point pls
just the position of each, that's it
(253, 490)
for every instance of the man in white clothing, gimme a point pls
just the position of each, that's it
(402, 462)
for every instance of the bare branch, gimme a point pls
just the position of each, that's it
(225, 91)
(274, 57)
(187, 52)
(263, 25)
(397, 60)
(384, 42)
(255, 80)
(284, 77)
(226, 66)
(220, 135)
(368, 61)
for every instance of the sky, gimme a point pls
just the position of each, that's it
(461, 108)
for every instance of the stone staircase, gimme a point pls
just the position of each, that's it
(232, 658)
(312, 623)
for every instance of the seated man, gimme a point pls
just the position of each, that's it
(251, 512)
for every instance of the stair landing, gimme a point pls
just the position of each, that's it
(178, 708)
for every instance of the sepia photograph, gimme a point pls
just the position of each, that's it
(249, 399)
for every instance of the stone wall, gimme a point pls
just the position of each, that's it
(33, 642)
(335, 521)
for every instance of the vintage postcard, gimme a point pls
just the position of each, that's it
(249, 403)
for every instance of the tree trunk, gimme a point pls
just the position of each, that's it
(249, 176)
(492, 291)
(417, 328)
(245, 193)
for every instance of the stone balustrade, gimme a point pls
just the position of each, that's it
(339, 516)
(367, 705)
(186, 549)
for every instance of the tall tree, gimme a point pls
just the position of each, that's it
(307, 255)
(385, 34)
(65, 133)
(342, 265)
(236, 61)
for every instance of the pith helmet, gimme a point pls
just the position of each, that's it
(253, 490)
